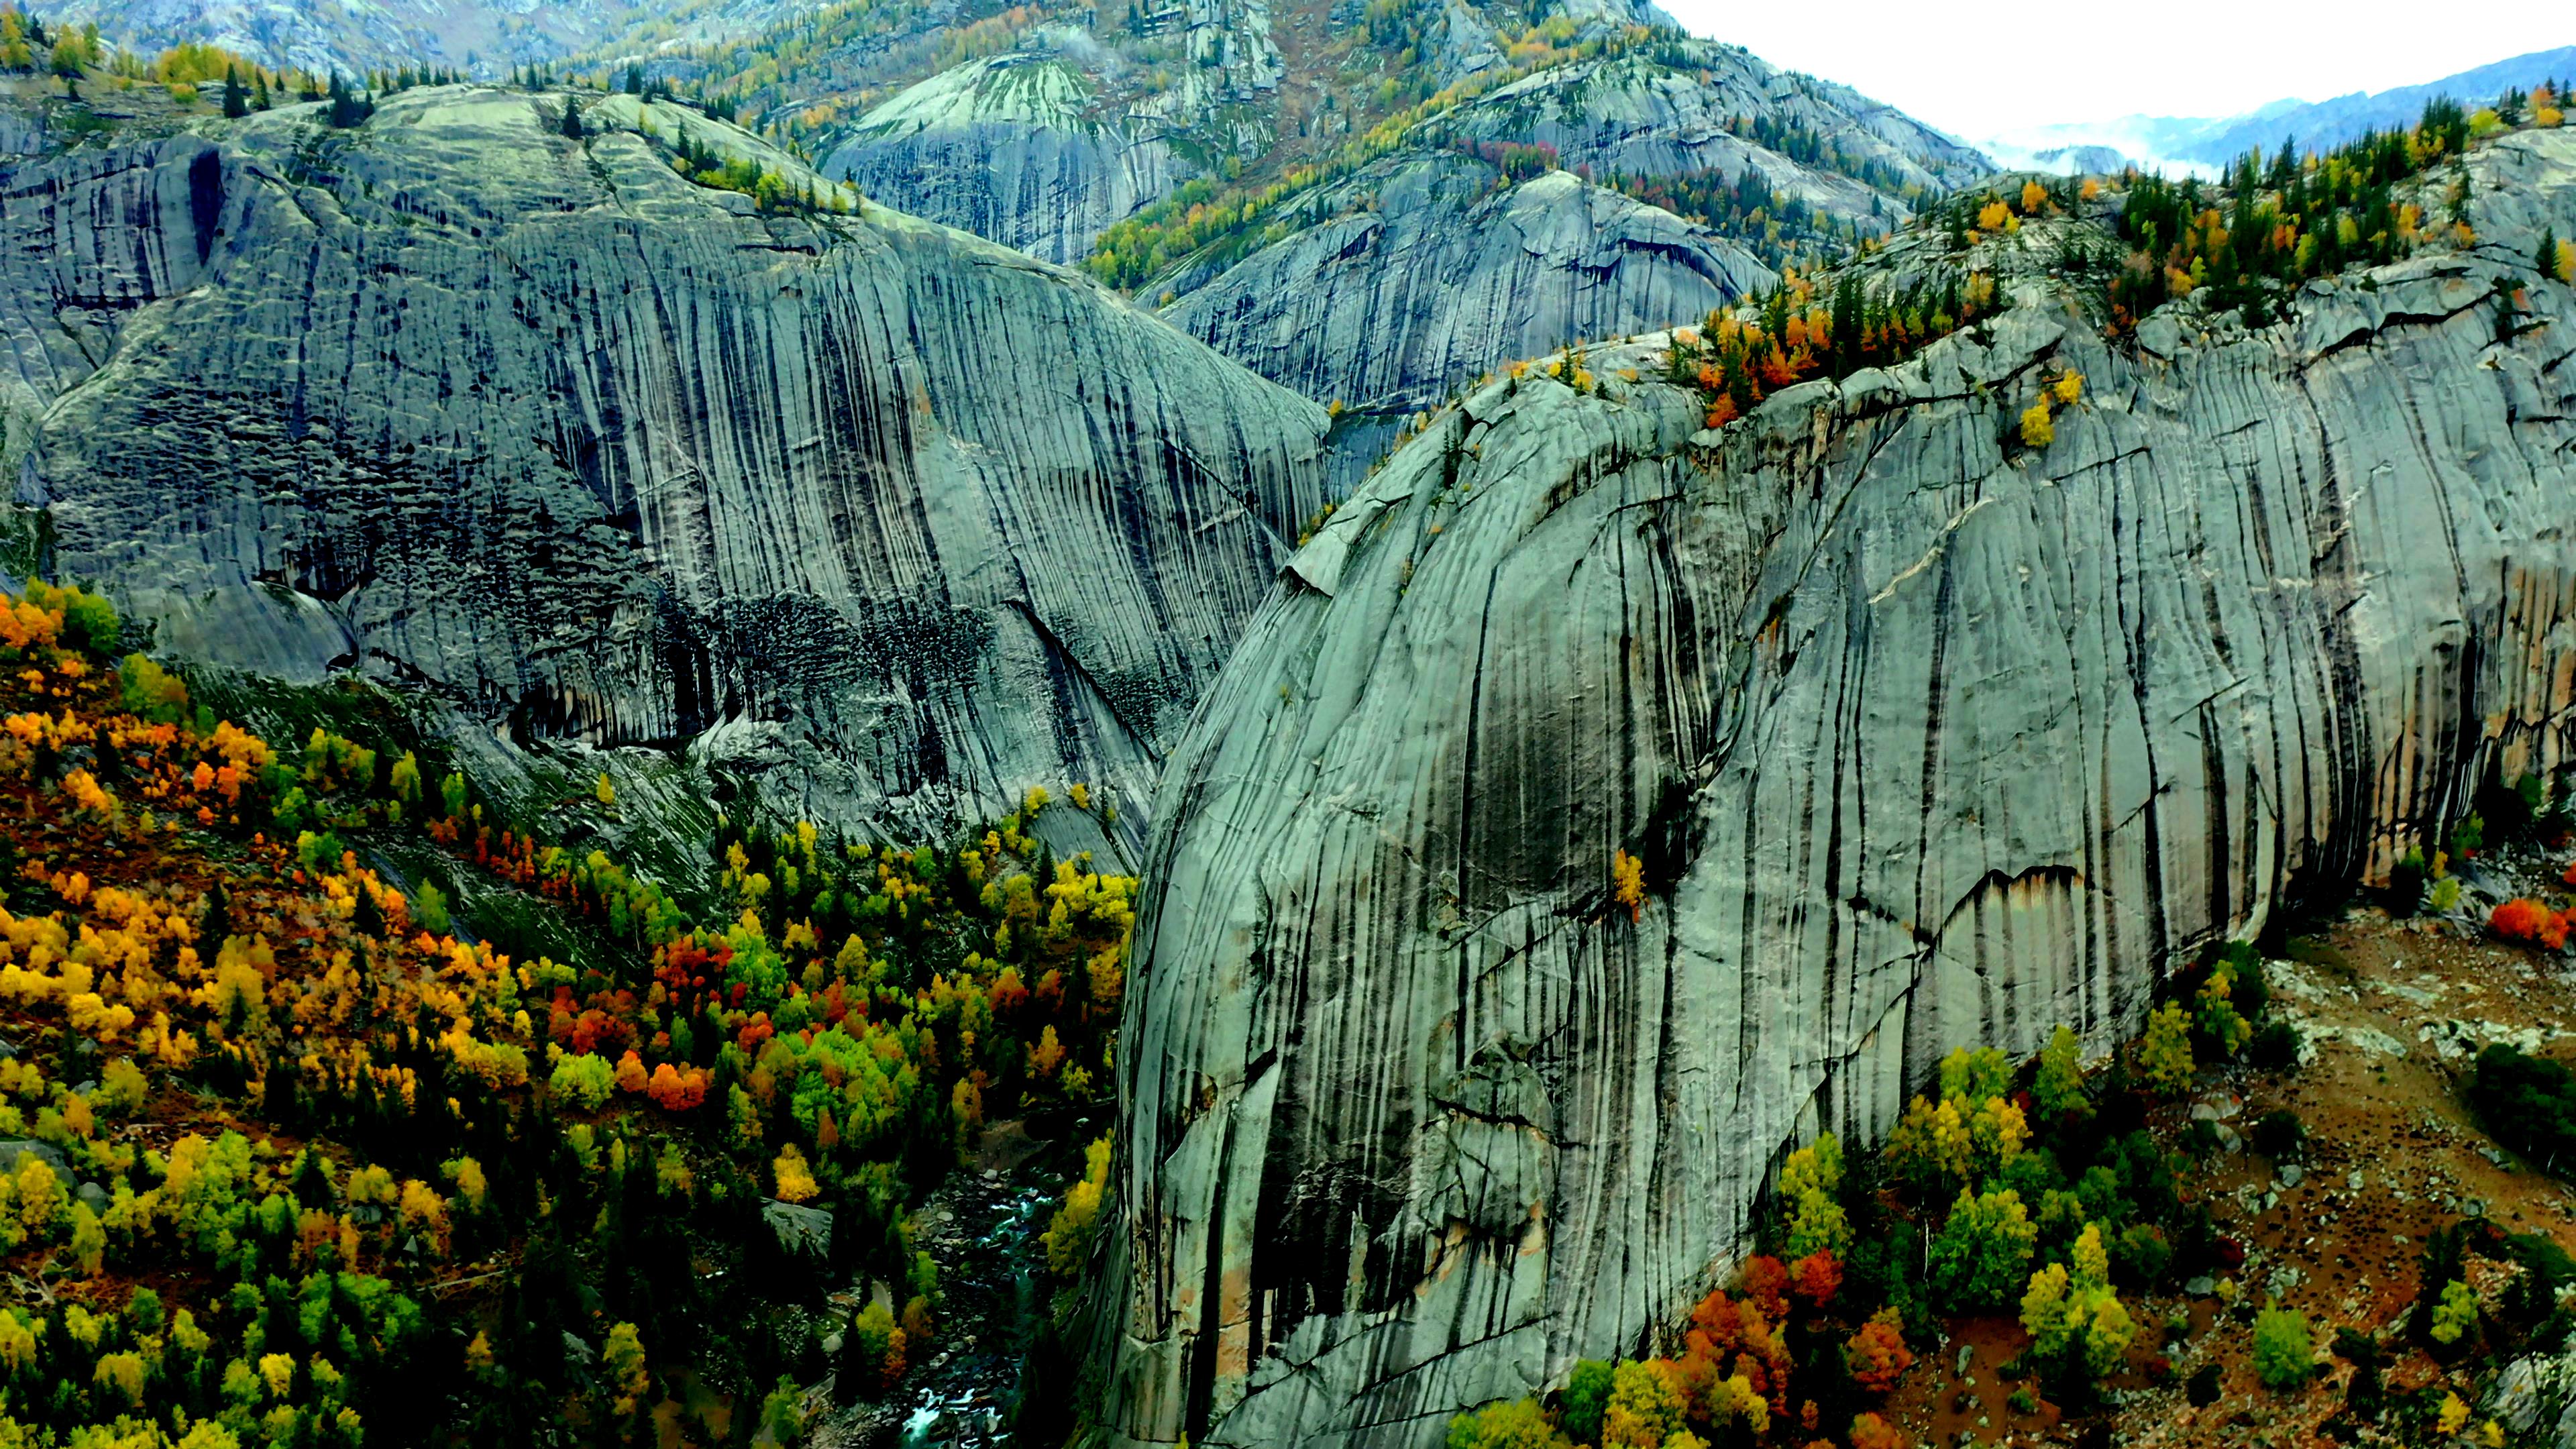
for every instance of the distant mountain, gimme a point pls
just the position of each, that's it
(482, 37)
(1374, 203)
(2202, 144)
(2329, 123)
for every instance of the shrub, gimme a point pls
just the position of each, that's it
(1513, 1424)
(2164, 1056)
(2141, 1254)
(2036, 429)
(1983, 1251)
(2278, 1133)
(2276, 1047)
(2406, 885)
(1587, 1398)
(1645, 1408)
(2528, 1102)
(1869, 1431)
(2456, 1314)
(2529, 923)
(1876, 1355)
(2284, 1350)
(2201, 1140)
(583, 1079)
(2468, 837)
(2058, 1089)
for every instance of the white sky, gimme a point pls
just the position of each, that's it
(1977, 71)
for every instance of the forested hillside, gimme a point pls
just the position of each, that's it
(341, 1109)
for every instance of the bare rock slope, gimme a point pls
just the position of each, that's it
(1923, 738)
(1443, 276)
(904, 519)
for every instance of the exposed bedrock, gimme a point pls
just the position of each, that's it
(1439, 276)
(901, 519)
(1925, 738)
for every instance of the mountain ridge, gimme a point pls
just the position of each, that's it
(2203, 144)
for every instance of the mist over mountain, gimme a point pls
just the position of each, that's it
(2201, 145)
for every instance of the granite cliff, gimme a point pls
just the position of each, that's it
(891, 518)
(1923, 736)
(1361, 211)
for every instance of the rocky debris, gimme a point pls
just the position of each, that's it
(802, 1231)
(1442, 276)
(16, 1150)
(1921, 737)
(891, 521)
(2536, 1396)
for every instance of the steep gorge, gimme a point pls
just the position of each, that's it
(1924, 737)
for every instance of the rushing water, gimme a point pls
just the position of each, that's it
(981, 1227)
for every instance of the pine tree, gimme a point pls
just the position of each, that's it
(347, 110)
(2547, 258)
(259, 91)
(572, 119)
(236, 102)
(635, 80)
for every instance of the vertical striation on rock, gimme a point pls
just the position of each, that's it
(905, 518)
(1043, 147)
(1924, 737)
(1440, 276)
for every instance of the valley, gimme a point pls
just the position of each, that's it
(1257, 724)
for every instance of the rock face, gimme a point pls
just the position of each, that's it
(1009, 148)
(1395, 285)
(1923, 738)
(353, 39)
(1044, 146)
(1440, 276)
(905, 518)
(1665, 111)
(1383, 271)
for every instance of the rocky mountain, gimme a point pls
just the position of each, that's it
(482, 36)
(1920, 726)
(890, 520)
(1440, 275)
(1284, 181)
(1208, 154)
(1392, 286)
